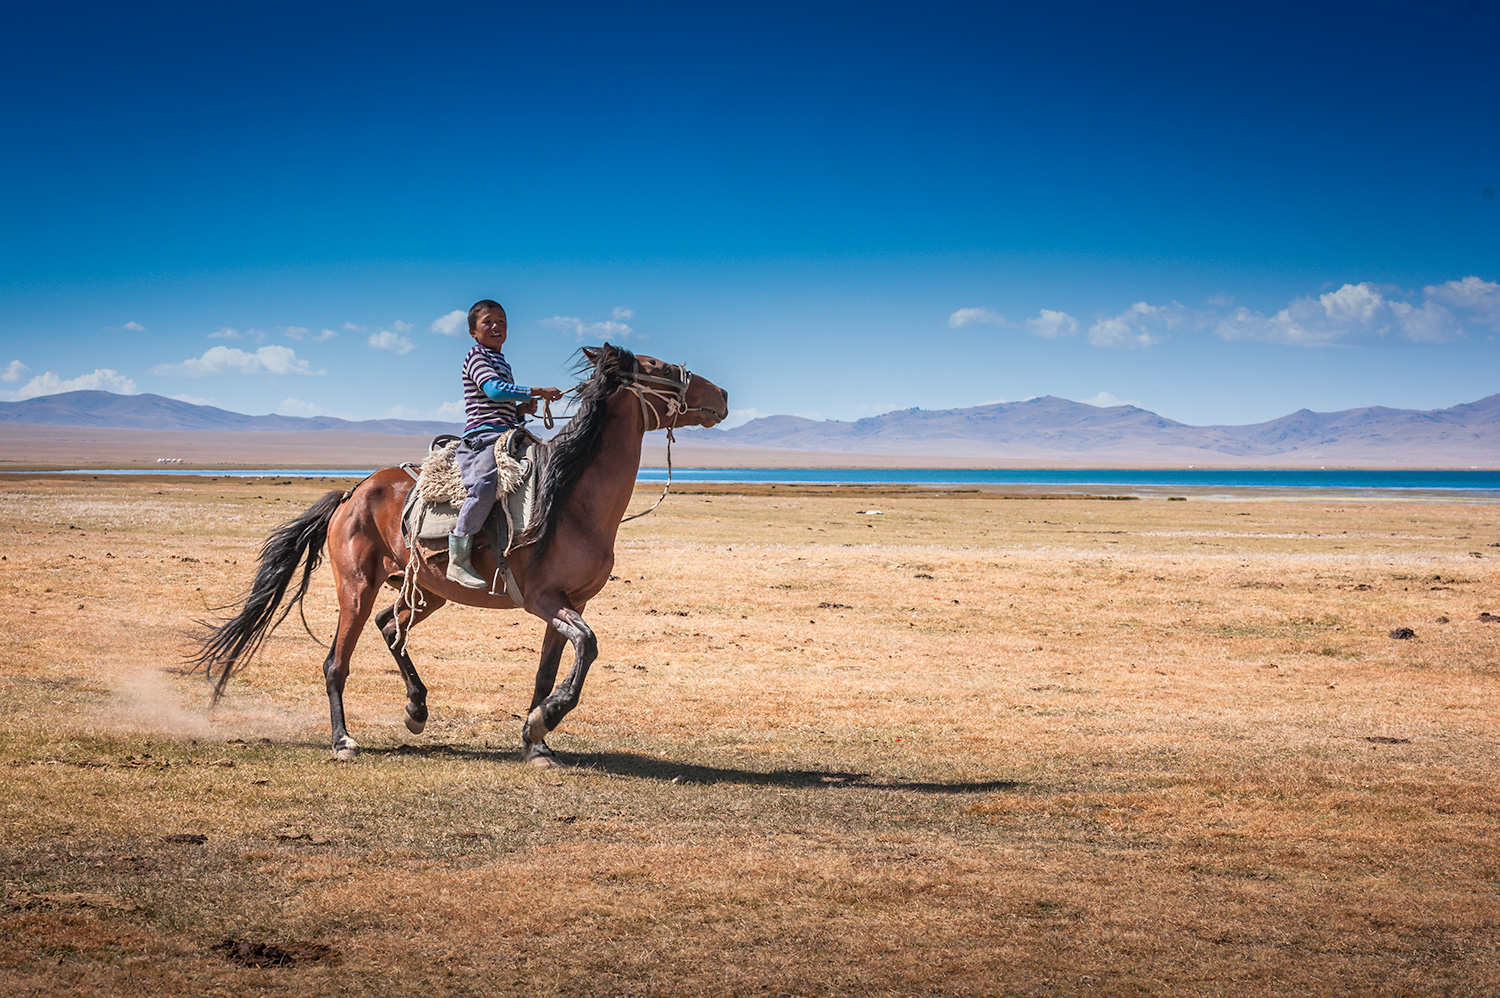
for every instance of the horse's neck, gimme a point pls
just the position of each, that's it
(608, 482)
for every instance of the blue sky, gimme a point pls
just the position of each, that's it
(1218, 213)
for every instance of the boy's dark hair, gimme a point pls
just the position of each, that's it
(480, 306)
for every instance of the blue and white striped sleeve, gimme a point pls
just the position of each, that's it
(504, 391)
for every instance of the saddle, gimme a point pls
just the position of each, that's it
(431, 509)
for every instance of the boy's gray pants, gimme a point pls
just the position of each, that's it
(476, 466)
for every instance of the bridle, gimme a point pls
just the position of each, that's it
(671, 391)
(673, 394)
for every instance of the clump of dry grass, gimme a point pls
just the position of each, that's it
(971, 745)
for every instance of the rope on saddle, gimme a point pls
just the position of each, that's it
(410, 596)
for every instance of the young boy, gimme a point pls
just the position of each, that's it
(490, 400)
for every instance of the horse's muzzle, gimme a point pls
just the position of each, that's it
(719, 412)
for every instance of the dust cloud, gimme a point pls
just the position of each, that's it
(164, 702)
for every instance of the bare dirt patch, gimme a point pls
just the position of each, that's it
(972, 745)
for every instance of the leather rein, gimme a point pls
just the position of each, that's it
(673, 394)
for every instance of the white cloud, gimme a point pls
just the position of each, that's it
(402, 327)
(101, 380)
(448, 412)
(232, 360)
(1052, 325)
(13, 371)
(1479, 298)
(970, 316)
(1107, 400)
(739, 417)
(1432, 323)
(1220, 301)
(455, 323)
(233, 333)
(326, 334)
(1117, 332)
(620, 313)
(395, 343)
(606, 329)
(295, 332)
(134, 327)
(1137, 326)
(1352, 303)
(297, 407)
(1353, 312)
(352, 327)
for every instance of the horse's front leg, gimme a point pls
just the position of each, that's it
(533, 749)
(548, 709)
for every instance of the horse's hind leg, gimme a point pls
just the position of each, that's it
(356, 601)
(394, 626)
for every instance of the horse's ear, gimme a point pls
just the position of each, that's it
(592, 353)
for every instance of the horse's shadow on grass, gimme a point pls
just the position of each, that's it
(645, 767)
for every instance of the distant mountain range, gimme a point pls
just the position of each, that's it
(154, 412)
(1041, 429)
(1050, 428)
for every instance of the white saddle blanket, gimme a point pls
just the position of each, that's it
(432, 507)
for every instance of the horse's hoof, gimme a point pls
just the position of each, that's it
(413, 725)
(347, 750)
(539, 756)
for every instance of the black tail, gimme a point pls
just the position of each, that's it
(234, 642)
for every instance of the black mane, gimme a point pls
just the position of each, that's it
(577, 444)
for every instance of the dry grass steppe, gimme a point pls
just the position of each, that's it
(972, 745)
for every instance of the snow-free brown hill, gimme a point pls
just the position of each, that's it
(1471, 427)
(155, 412)
(1074, 432)
(1044, 430)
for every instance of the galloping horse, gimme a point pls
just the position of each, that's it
(559, 564)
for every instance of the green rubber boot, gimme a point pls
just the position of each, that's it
(460, 550)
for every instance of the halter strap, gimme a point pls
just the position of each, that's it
(675, 404)
(673, 394)
(674, 401)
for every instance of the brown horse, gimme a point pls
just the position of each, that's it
(565, 559)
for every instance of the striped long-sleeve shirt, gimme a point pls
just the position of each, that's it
(485, 366)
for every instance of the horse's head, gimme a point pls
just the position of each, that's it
(670, 393)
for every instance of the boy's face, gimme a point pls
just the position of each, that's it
(489, 328)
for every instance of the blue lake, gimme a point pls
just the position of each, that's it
(1186, 477)
(1483, 484)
